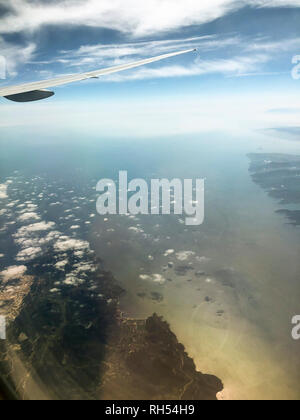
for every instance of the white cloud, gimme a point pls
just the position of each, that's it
(3, 191)
(156, 278)
(92, 56)
(65, 244)
(28, 216)
(28, 254)
(36, 241)
(15, 55)
(252, 55)
(52, 235)
(132, 17)
(61, 265)
(54, 290)
(72, 280)
(101, 55)
(270, 46)
(136, 229)
(35, 227)
(30, 238)
(84, 267)
(169, 252)
(13, 272)
(184, 255)
(234, 66)
(12, 204)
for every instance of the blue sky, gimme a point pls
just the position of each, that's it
(241, 72)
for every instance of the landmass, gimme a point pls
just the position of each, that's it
(75, 343)
(66, 337)
(279, 175)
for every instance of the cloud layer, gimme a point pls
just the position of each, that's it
(136, 20)
(131, 16)
(248, 55)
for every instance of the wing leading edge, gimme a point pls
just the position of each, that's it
(37, 90)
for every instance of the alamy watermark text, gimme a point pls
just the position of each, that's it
(296, 329)
(158, 197)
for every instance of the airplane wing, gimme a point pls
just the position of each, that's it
(35, 91)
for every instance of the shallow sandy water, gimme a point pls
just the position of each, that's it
(249, 346)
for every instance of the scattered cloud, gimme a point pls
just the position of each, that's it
(66, 244)
(84, 267)
(28, 216)
(155, 17)
(169, 252)
(55, 290)
(28, 254)
(3, 191)
(34, 239)
(13, 272)
(71, 280)
(36, 227)
(155, 278)
(116, 54)
(249, 56)
(61, 265)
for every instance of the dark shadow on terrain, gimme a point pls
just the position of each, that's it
(75, 344)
